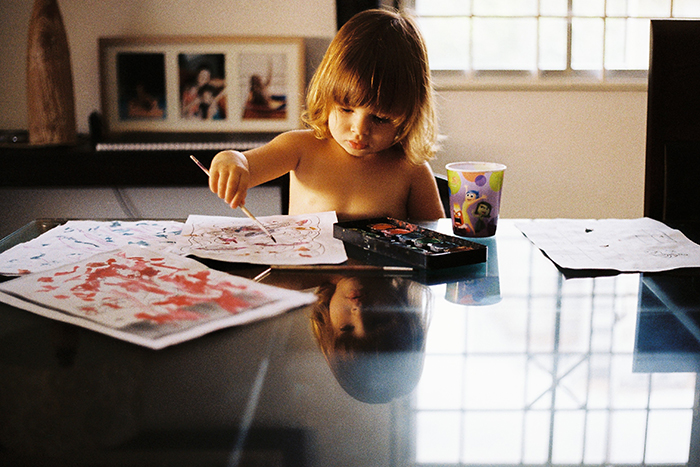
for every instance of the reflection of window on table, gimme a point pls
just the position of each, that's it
(551, 364)
(565, 37)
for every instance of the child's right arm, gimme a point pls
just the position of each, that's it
(232, 173)
(229, 177)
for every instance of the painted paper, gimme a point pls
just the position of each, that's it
(148, 297)
(625, 245)
(77, 240)
(301, 239)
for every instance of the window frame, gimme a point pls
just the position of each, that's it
(555, 80)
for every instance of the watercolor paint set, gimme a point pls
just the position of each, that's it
(410, 243)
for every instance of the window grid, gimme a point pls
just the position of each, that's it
(632, 52)
(622, 298)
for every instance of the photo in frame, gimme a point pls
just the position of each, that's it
(201, 84)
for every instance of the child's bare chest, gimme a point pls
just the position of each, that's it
(357, 187)
(358, 175)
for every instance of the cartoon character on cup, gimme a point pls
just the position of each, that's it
(462, 216)
(482, 214)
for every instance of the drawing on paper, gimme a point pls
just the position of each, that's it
(148, 294)
(626, 245)
(300, 239)
(76, 240)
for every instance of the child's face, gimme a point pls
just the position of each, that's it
(346, 307)
(203, 77)
(360, 131)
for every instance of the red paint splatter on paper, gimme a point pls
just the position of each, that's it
(175, 315)
(136, 283)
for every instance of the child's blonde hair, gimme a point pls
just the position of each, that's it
(378, 60)
(387, 362)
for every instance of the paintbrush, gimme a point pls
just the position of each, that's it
(243, 208)
(391, 270)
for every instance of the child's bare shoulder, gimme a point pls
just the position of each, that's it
(305, 137)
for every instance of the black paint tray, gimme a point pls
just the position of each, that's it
(410, 243)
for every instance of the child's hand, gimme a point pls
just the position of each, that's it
(229, 177)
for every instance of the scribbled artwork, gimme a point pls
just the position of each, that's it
(302, 239)
(77, 240)
(147, 297)
(625, 245)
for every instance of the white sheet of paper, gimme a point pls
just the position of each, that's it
(625, 245)
(76, 240)
(147, 297)
(301, 239)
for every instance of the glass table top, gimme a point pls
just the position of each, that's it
(511, 362)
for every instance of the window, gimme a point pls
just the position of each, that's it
(599, 38)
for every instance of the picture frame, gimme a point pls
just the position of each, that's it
(201, 83)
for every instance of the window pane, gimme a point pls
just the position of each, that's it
(505, 7)
(505, 44)
(626, 44)
(437, 437)
(686, 8)
(536, 437)
(649, 8)
(616, 8)
(535, 34)
(596, 440)
(442, 7)
(588, 7)
(672, 390)
(554, 7)
(552, 44)
(668, 439)
(587, 43)
(447, 40)
(567, 443)
(493, 437)
(627, 429)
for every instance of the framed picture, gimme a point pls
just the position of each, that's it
(201, 84)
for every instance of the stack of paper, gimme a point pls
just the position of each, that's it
(132, 280)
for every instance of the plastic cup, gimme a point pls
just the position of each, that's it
(482, 285)
(475, 197)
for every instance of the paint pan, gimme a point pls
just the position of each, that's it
(410, 243)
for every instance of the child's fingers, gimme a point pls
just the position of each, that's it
(214, 181)
(238, 200)
(229, 177)
(235, 190)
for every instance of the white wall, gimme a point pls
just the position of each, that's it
(569, 154)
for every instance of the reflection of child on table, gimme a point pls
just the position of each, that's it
(197, 99)
(260, 103)
(372, 331)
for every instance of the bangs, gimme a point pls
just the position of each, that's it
(387, 86)
(378, 60)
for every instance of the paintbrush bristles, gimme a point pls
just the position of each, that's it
(252, 217)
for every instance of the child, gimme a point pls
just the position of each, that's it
(372, 333)
(372, 131)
